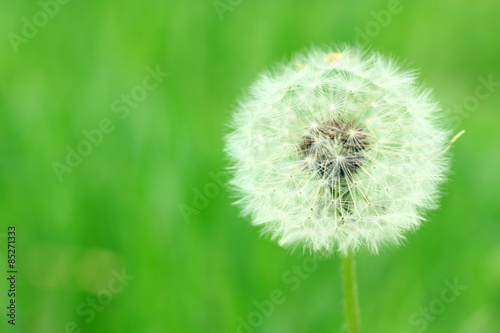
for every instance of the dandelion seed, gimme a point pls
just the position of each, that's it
(360, 134)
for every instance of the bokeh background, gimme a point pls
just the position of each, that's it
(120, 209)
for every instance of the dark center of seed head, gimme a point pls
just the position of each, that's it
(336, 149)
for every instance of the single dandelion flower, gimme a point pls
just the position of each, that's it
(337, 150)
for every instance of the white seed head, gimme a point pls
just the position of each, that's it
(337, 150)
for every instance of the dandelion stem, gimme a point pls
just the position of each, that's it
(351, 303)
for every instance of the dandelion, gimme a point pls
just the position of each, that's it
(337, 150)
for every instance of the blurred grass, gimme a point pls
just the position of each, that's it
(120, 207)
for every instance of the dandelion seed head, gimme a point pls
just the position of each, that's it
(336, 150)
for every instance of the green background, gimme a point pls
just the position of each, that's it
(120, 207)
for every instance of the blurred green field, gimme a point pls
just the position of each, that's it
(119, 209)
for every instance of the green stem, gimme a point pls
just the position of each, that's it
(351, 303)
